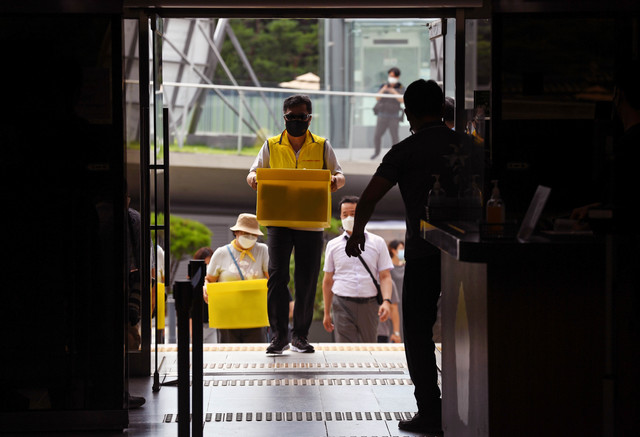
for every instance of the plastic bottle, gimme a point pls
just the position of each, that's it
(495, 206)
(436, 201)
(472, 201)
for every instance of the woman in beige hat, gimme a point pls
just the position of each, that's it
(243, 258)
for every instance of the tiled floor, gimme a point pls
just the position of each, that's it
(341, 390)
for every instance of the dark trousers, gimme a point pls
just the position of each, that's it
(420, 306)
(248, 335)
(384, 123)
(307, 252)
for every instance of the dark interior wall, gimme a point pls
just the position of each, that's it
(62, 183)
(552, 91)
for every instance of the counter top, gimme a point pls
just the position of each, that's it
(463, 241)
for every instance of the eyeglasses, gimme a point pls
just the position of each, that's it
(302, 117)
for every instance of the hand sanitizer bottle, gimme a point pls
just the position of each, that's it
(495, 206)
(435, 201)
(471, 201)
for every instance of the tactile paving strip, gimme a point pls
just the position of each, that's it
(304, 365)
(307, 381)
(365, 347)
(298, 416)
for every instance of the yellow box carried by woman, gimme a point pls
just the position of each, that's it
(296, 198)
(238, 304)
(160, 312)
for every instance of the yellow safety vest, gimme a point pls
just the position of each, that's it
(311, 155)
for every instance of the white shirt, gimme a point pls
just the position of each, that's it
(222, 265)
(350, 278)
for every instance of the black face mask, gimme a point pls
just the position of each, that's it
(296, 128)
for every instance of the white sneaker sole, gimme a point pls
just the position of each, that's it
(302, 351)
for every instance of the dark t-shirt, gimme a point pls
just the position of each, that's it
(390, 108)
(433, 150)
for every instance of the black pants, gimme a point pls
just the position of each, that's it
(420, 306)
(384, 123)
(248, 335)
(307, 251)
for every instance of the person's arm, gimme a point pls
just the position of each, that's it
(386, 288)
(331, 161)
(395, 321)
(327, 294)
(337, 182)
(259, 162)
(399, 91)
(377, 188)
(251, 180)
(207, 279)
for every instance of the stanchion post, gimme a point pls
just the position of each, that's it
(197, 269)
(183, 295)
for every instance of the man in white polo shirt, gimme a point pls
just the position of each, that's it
(350, 303)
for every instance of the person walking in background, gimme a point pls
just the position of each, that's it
(389, 330)
(295, 147)
(396, 251)
(388, 111)
(449, 112)
(350, 304)
(205, 254)
(411, 164)
(243, 258)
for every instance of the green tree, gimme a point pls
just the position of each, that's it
(279, 50)
(187, 236)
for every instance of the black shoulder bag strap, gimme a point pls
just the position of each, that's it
(375, 282)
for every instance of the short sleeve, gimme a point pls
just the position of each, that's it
(217, 261)
(394, 293)
(328, 259)
(262, 159)
(331, 159)
(384, 260)
(265, 257)
(391, 165)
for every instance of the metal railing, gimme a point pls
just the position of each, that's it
(246, 114)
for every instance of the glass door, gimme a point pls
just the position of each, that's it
(153, 195)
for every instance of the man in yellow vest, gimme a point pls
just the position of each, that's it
(295, 147)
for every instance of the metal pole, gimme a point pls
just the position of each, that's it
(240, 115)
(233, 80)
(197, 270)
(460, 70)
(207, 80)
(183, 292)
(247, 65)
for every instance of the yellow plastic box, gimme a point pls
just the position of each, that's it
(160, 312)
(238, 304)
(294, 198)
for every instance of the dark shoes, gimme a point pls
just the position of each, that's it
(300, 344)
(276, 347)
(423, 425)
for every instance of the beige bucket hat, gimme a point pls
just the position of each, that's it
(247, 223)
